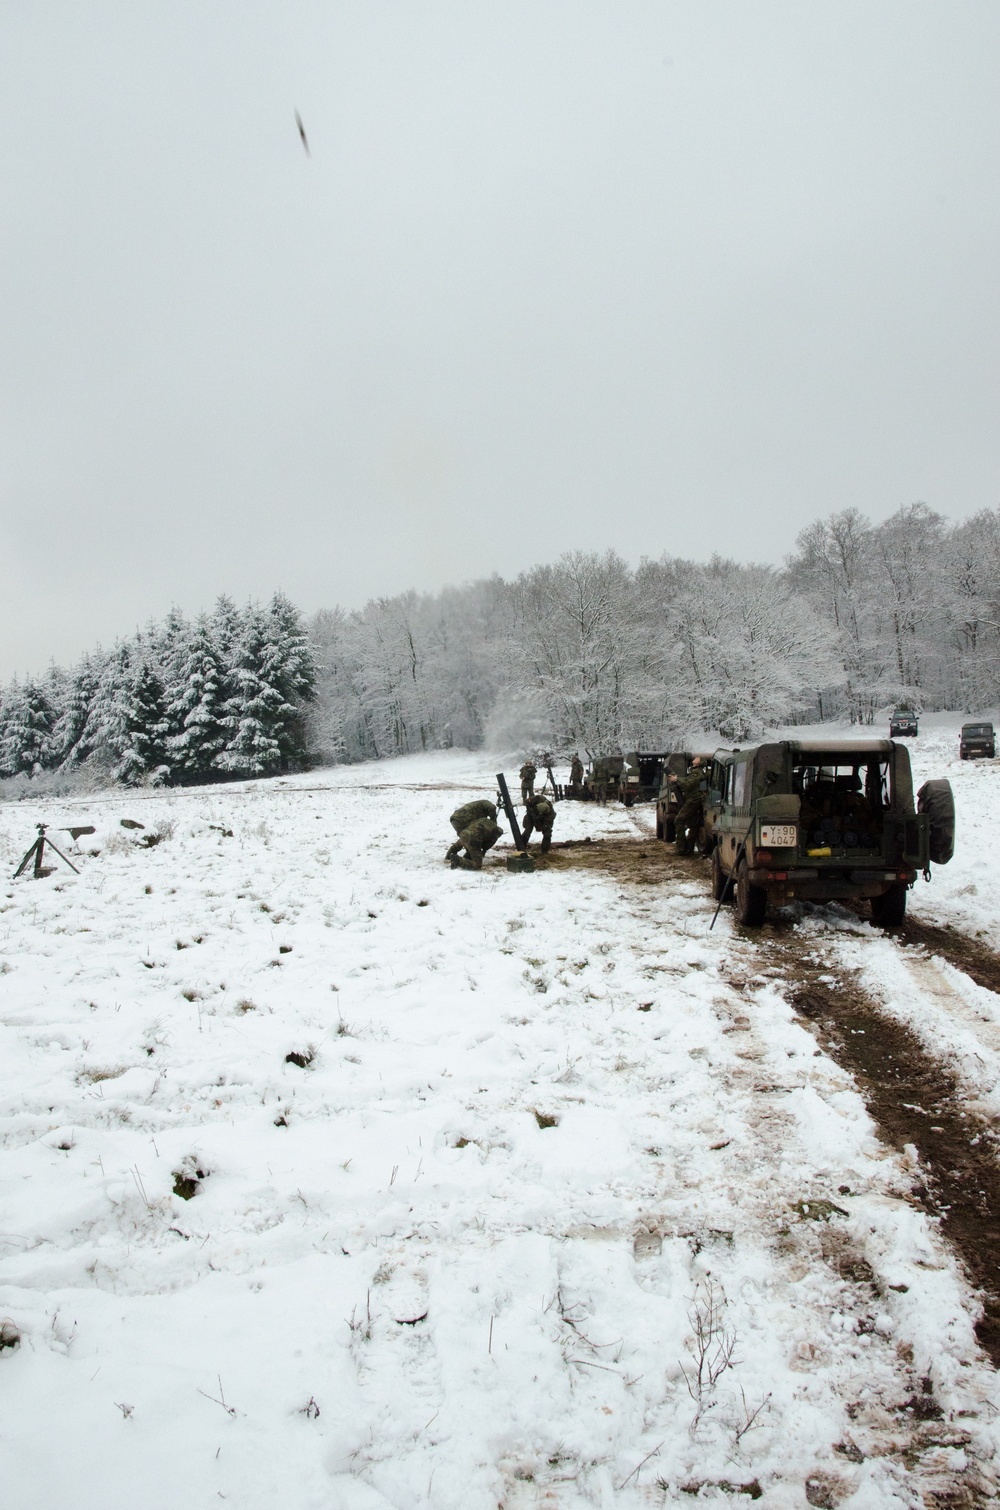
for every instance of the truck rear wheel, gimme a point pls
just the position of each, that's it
(719, 877)
(659, 824)
(751, 901)
(889, 910)
(669, 830)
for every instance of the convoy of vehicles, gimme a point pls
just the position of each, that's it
(978, 739)
(805, 820)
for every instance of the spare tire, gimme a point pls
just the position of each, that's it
(935, 798)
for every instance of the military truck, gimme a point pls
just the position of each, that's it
(823, 820)
(608, 766)
(668, 803)
(977, 739)
(639, 779)
(903, 722)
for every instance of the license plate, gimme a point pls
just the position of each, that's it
(779, 835)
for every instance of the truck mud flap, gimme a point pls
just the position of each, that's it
(908, 841)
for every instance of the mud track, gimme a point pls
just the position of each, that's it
(969, 955)
(914, 1098)
(646, 862)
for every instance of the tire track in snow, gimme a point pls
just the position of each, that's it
(895, 1415)
(892, 1406)
(915, 1096)
(969, 955)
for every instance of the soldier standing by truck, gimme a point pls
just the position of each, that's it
(689, 818)
(528, 773)
(476, 826)
(540, 814)
(599, 782)
(576, 775)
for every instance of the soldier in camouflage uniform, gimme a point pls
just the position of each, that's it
(539, 814)
(528, 773)
(688, 820)
(599, 782)
(476, 826)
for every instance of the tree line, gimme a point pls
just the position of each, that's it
(591, 654)
(179, 702)
(587, 653)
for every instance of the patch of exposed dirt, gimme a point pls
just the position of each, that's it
(645, 861)
(914, 1099)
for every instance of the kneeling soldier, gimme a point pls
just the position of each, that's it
(477, 829)
(539, 814)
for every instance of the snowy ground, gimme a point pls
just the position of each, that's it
(544, 1132)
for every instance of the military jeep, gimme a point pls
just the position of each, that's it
(639, 780)
(977, 739)
(822, 820)
(604, 769)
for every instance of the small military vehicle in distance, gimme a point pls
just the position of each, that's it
(823, 820)
(639, 780)
(668, 803)
(903, 723)
(977, 739)
(608, 767)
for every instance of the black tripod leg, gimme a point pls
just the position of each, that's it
(62, 856)
(33, 854)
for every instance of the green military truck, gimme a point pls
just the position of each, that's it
(606, 768)
(823, 820)
(668, 803)
(977, 739)
(639, 779)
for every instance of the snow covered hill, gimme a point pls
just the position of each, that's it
(502, 1190)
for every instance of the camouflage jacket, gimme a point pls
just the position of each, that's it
(482, 832)
(540, 812)
(471, 812)
(693, 783)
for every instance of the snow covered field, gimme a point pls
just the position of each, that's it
(539, 1133)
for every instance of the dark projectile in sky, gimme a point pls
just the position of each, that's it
(302, 133)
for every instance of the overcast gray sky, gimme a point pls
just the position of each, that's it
(556, 275)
